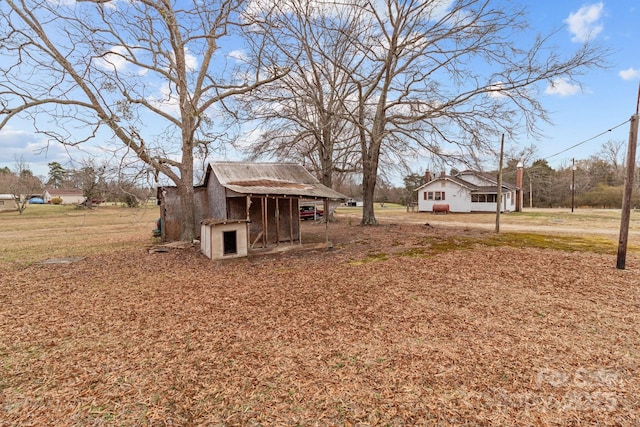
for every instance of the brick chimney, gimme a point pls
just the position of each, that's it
(443, 174)
(519, 179)
(427, 176)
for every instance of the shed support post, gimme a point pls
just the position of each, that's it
(277, 216)
(299, 224)
(248, 221)
(291, 221)
(326, 216)
(265, 236)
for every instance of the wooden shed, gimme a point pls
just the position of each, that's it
(264, 198)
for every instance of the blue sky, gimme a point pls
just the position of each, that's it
(607, 98)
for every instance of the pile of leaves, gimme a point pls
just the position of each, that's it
(386, 328)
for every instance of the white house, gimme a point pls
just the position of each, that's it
(68, 196)
(468, 191)
(8, 202)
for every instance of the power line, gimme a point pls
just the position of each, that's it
(587, 140)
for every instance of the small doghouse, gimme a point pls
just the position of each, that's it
(223, 239)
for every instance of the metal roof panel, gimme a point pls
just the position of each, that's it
(288, 179)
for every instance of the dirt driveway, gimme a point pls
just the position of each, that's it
(602, 222)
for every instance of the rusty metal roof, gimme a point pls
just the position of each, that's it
(284, 179)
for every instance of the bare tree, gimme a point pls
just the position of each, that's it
(442, 75)
(613, 152)
(150, 72)
(91, 178)
(301, 116)
(20, 183)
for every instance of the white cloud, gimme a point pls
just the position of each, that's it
(238, 55)
(34, 149)
(629, 74)
(191, 62)
(115, 59)
(167, 101)
(562, 87)
(59, 3)
(11, 137)
(256, 8)
(496, 90)
(584, 24)
(440, 8)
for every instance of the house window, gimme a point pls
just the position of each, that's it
(434, 195)
(484, 198)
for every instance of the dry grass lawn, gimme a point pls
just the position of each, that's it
(398, 325)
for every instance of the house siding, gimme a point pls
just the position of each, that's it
(68, 198)
(457, 197)
(217, 200)
(170, 211)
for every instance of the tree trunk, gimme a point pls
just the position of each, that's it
(370, 159)
(186, 192)
(187, 206)
(369, 178)
(325, 150)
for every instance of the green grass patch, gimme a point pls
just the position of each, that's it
(437, 245)
(595, 244)
(523, 240)
(370, 258)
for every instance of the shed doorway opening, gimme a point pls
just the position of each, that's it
(230, 242)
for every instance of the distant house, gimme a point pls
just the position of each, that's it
(242, 205)
(68, 196)
(468, 191)
(351, 202)
(8, 202)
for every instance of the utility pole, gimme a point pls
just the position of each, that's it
(628, 187)
(573, 183)
(499, 196)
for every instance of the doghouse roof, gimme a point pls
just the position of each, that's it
(288, 179)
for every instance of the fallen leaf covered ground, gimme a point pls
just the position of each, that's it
(381, 330)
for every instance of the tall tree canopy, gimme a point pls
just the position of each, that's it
(153, 74)
(429, 76)
(379, 79)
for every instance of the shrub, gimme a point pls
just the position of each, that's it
(56, 200)
(131, 201)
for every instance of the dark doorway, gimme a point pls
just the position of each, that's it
(230, 242)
